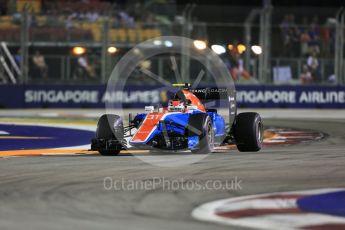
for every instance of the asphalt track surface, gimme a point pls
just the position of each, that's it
(67, 192)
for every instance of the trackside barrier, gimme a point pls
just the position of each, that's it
(95, 96)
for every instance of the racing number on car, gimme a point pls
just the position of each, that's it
(153, 116)
(147, 127)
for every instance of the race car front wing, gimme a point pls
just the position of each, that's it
(107, 144)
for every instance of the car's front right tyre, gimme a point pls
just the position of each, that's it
(201, 125)
(110, 126)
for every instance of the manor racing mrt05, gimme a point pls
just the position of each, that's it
(185, 124)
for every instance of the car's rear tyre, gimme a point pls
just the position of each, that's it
(248, 132)
(110, 126)
(201, 125)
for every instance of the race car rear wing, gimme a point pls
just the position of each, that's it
(212, 93)
(220, 95)
(206, 93)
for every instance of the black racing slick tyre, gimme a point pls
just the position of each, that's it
(248, 132)
(110, 126)
(201, 125)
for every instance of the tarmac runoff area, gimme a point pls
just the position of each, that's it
(63, 187)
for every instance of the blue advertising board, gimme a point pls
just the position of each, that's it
(291, 96)
(96, 96)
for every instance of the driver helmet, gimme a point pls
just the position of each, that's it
(175, 106)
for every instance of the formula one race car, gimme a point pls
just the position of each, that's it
(184, 124)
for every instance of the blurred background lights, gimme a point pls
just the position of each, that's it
(256, 49)
(168, 43)
(241, 48)
(78, 50)
(157, 42)
(112, 50)
(199, 44)
(218, 49)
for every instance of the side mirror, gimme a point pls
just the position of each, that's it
(149, 108)
(192, 107)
